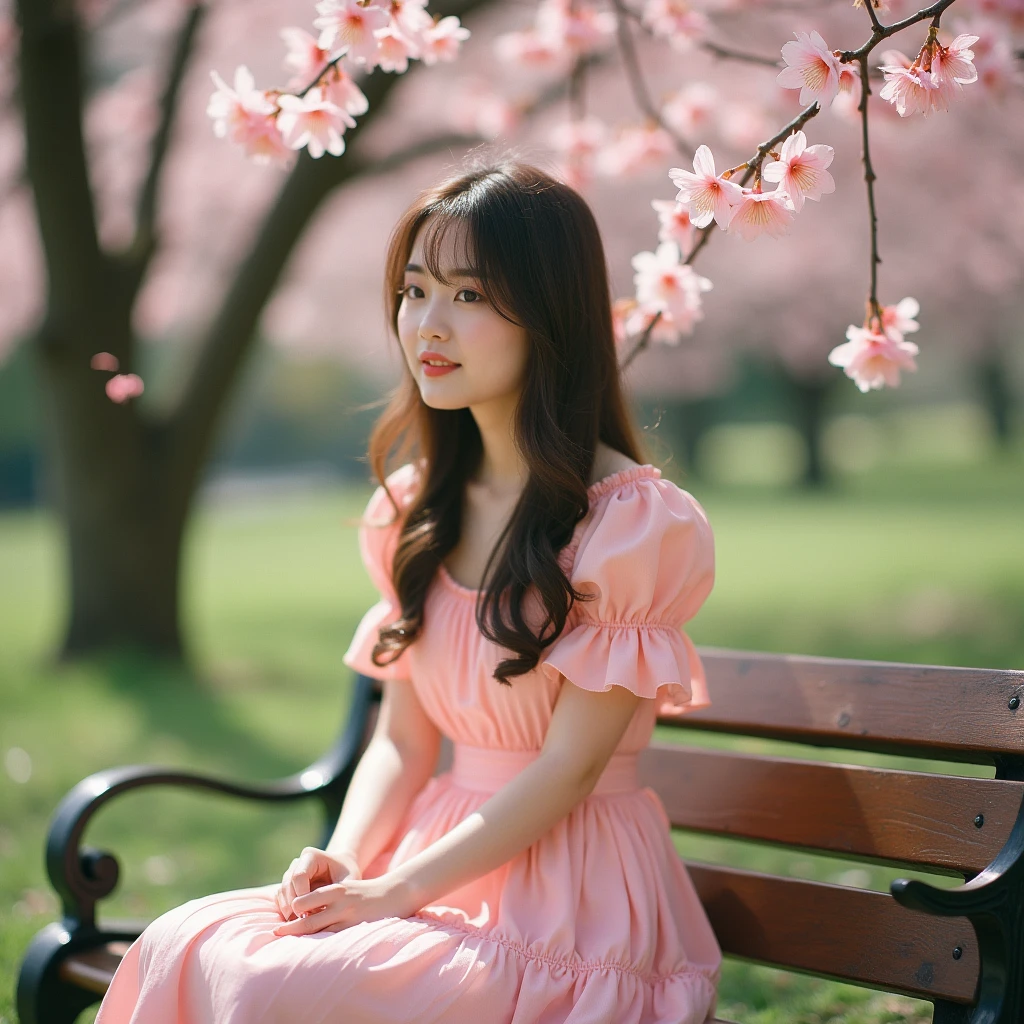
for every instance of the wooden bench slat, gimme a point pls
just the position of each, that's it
(94, 969)
(867, 705)
(850, 934)
(903, 818)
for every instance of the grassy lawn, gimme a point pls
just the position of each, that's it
(905, 561)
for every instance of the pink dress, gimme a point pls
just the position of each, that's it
(595, 923)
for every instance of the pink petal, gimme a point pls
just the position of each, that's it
(104, 361)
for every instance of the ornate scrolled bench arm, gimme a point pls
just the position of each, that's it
(82, 875)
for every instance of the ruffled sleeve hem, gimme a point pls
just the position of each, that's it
(358, 656)
(653, 661)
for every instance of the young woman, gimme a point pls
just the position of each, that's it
(534, 574)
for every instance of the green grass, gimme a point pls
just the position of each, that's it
(905, 562)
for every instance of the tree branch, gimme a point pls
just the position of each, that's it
(229, 337)
(142, 247)
(636, 78)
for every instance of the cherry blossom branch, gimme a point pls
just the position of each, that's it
(143, 245)
(715, 49)
(750, 167)
(727, 53)
(884, 31)
(577, 89)
(869, 178)
(636, 78)
(642, 343)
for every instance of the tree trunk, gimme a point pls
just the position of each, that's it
(994, 383)
(809, 408)
(122, 525)
(124, 480)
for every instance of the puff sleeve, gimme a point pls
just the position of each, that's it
(648, 557)
(378, 538)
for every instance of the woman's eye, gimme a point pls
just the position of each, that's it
(477, 297)
(409, 289)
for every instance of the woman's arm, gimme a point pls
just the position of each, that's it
(396, 765)
(585, 729)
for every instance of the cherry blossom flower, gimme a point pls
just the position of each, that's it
(476, 107)
(800, 170)
(124, 386)
(997, 67)
(578, 27)
(245, 114)
(663, 283)
(351, 24)
(762, 213)
(813, 68)
(305, 57)
(952, 68)
(394, 48)
(314, 122)
(234, 111)
(578, 142)
(411, 18)
(666, 330)
(675, 223)
(530, 49)
(691, 110)
(847, 101)
(908, 88)
(676, 21)
(872, 359)
(899, 319)
(706, 195)
(104, 361)
(341, 90)
(442, 41)
(636, 149)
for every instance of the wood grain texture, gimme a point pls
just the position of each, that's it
(896, 817)
(93, 970)
(959, 714)
(849, 934)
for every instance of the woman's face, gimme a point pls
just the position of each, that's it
(456, 324)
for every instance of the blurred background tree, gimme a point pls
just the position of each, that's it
(126, 227)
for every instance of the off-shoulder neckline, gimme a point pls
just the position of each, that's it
(596, 490)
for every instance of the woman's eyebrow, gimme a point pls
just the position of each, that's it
(415, 268)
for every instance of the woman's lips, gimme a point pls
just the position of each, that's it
(438, 371)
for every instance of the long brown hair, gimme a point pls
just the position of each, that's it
(535, 246)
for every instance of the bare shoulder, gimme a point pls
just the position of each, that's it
(608, 461)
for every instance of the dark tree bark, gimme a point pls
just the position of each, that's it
(124, 480)
(993, 377)
(809, 405)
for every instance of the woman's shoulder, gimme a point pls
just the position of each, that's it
(636, 511)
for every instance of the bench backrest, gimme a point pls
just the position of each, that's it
(942, 823)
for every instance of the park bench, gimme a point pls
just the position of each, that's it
(961, 948)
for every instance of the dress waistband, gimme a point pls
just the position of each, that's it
(487, 769)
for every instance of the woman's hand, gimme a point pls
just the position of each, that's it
(312, 869)
(340, 905)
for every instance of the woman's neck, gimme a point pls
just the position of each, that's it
(502, 470)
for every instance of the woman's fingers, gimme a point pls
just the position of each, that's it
(312, 902)
(310, 923)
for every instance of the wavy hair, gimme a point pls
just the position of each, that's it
(536, 246)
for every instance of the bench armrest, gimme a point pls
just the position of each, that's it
(82, 875)
(993, 901)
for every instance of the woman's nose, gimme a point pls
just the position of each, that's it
(432, 326)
